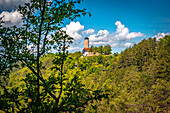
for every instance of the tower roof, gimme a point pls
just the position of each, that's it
(86, 49)
(86, 38)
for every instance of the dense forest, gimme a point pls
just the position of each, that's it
(35, 80)
(136, 80)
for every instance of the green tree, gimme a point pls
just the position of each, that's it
(100, 49)
(95, 49)
(163, 57)
(91, 49)
(116, 54)
(24, 46)
(107, 49)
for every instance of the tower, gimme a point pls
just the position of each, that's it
(86, 42)
(86, 46)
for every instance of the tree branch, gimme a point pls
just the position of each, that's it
(38, 53)
(45, 40)
(62, 64)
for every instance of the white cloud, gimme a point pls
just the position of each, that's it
(102, 35)
(11, 18)
(89, 31)
(78, 42)
(114, 44)
(127, 44)
(74, 30)
(161, 35)
(122, 33)
(114, 39)
(73, 49)
(11, 4)
(98, 43)
(134, 35)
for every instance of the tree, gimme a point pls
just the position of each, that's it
(107, 49)
(100, 49)
(163, 58)
(116, 54)
(24, 46)
(91, 49)
(95, 49)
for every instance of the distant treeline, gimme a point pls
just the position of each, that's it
(101, 49)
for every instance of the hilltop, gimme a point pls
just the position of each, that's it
(137, 79)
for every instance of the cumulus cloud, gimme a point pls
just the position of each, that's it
(74, 30)
(161, 35)
(127, 44)
(98, 43)
(11, 4)
(122, 33)
(102, 35)
(11, 18)
(114, 44)
(134, 35)
(73, 49)
(89, 31)
(114, 39)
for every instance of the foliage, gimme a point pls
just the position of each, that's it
(35, 80)
(101, 49)
(137, 79)
(39, 86)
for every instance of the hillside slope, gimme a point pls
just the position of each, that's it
(137, 80)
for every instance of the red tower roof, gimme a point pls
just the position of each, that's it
(86, 49)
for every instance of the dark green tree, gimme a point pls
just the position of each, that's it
(107, 49)
(100, 49)
(91, 49)
(163, 57)
(95, 49)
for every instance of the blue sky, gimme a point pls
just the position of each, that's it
(138, 15)
(149, 17)
(120, 23)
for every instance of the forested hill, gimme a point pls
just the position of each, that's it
(149, 55)
(137, 79)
